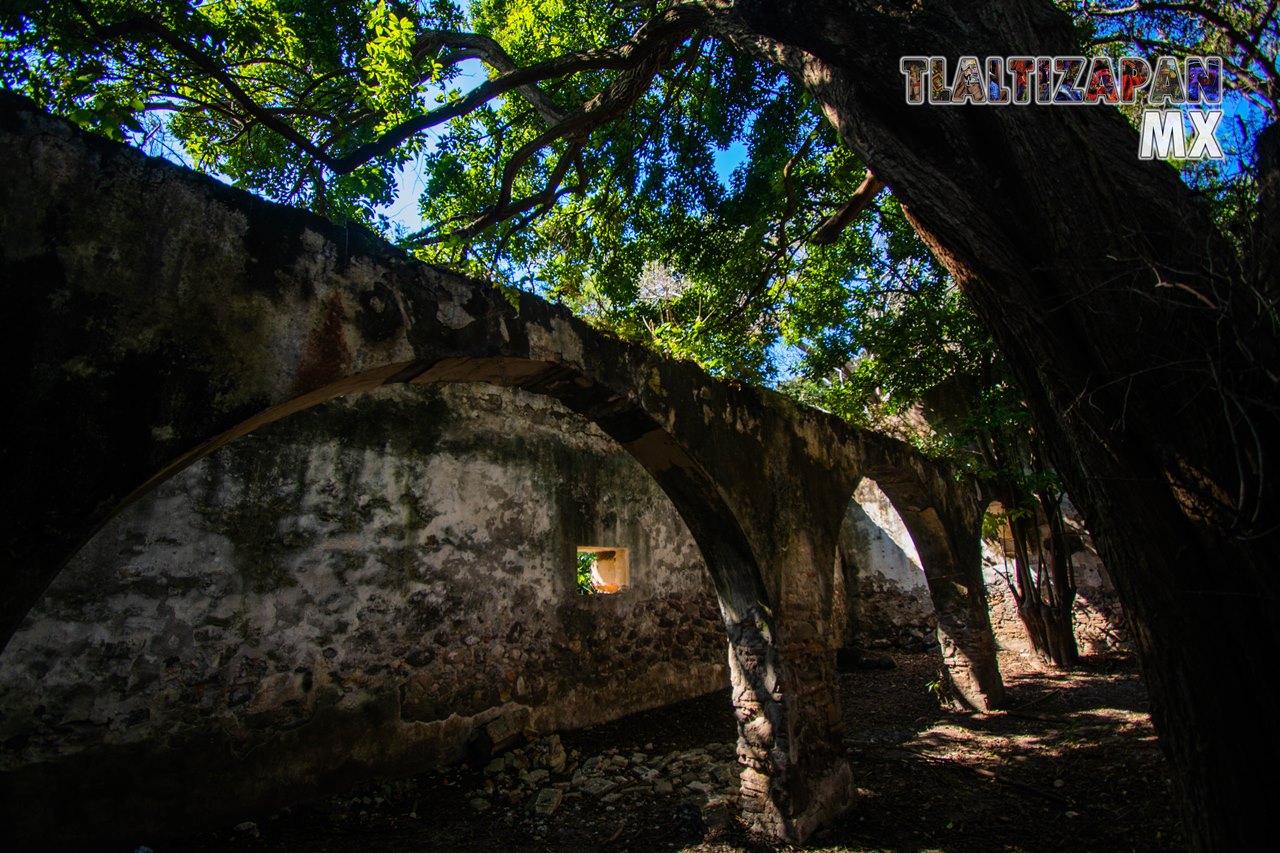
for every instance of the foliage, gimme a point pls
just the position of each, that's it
(322, 105)
(1245, 33)
(587, 160)
(586, 561)
(586, 165)
(649, 242)
(252, 90)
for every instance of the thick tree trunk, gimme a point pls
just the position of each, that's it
(1141, 340)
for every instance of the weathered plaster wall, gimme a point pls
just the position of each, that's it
(888, 600)
(162, 314)
(1098, 619)
(365, 587)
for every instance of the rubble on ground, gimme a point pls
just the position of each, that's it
(541, 777)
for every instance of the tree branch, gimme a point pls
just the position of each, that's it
(1243, 77)
(1238, 39)
(149, 27)
(488, 51)
(829, 231)
(638, 59)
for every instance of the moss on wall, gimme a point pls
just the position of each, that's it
(398, 563)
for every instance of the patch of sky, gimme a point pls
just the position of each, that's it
(403, 212)
(1245, 113)
(787, 360)
(1243, 118)
(728, 159)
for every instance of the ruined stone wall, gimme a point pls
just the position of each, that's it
(1099, 622)
(887, 601)
(372, 586)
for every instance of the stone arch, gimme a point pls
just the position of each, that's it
(1011, 634)
(165, 314)
(401, 708)
(882, 574)
(155, 314)
(944, 520)
(1097, 622)
(160, 314)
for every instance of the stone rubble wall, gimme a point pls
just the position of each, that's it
(380, 585)
(542, 775)
(887, 601)
(1099, 621)
(373, 586)
(529, 789)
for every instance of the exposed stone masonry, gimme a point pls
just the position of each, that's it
(888, 602)
(166, 315)
(540, 777)
(393, 573)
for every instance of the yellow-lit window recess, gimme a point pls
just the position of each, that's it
(603, 570)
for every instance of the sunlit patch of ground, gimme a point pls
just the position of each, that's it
(1071, 765)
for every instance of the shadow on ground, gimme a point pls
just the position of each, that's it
(1073, 765)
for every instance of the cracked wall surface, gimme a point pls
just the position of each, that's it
(375, 585)
(159, 315)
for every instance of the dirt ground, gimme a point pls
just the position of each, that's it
(1072, 765)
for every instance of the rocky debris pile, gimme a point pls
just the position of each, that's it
(541, 777)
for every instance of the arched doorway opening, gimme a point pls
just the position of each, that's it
(888, 604)
(901, 528)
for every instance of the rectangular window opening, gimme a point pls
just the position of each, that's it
(603, 570)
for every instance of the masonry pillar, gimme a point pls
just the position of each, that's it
(795, 778)
(766, 515)
(953, 571)
(944, 519)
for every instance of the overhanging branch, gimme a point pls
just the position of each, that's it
(639, 58)
(829, 231)
(639, 61)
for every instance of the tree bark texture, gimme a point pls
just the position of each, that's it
(1141, 338)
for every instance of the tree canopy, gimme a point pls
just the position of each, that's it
(616, 156)
(530, 178)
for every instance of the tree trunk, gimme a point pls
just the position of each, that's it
(1060, 615)
(1137, 333)
(1052, 638)
(1044, 605)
